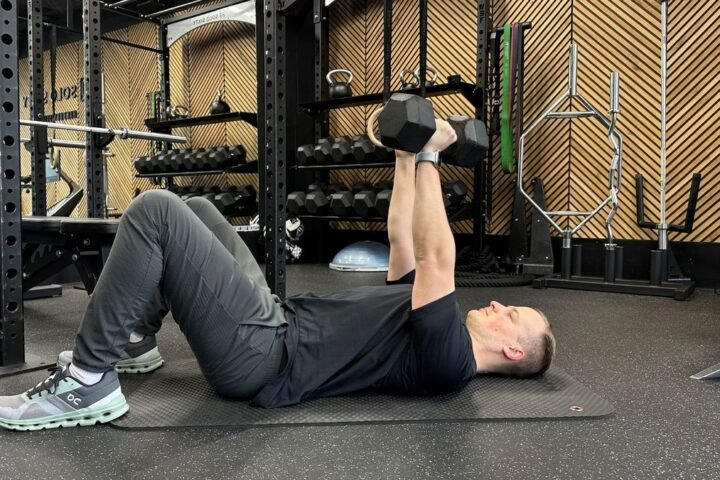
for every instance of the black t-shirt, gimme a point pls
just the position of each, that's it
(369, 338)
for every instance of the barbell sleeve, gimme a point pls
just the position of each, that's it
(54, 142)
(122, 133)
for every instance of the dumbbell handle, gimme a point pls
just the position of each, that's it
(371, 130)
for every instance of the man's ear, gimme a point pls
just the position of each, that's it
(514, 353)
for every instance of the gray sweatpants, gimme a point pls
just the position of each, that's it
(186, 258)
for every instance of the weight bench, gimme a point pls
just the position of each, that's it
(51, 244)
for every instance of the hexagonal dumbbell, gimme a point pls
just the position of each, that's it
(237, 155)
(454, 193)
(317, 200)
(341, 150)
(382, 202)
(406, 122)
(177, 163)
(364, 151)
(364, 203)
(341, 203)
(305, 155)
(217, 159)
(295, 203)
(323, 151)
(472, 141)
(246, 200)
(142, 164)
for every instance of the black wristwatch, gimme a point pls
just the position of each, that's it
(432, 157)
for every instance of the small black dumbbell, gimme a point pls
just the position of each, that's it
(364, 151)
(317, 199)
(142, 164)
(364, 203)
(217, 159)
(454, 193)
(341, 150)
(225, 199)
(177, 163)
(341, 203)
(237, 155)
(472, 142)
(382, 202)
(246, 200)
(323, 151)
(296, 203)
(305, 155)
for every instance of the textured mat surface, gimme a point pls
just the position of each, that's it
(178, 396)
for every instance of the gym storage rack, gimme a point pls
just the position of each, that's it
(295, 36)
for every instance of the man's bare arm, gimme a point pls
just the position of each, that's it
(400, 217)
(433, 242)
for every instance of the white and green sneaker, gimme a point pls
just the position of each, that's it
(63, 401)
(140, 357)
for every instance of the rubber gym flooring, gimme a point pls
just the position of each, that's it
(637, 352)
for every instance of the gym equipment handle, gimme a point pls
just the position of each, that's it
(572, 74)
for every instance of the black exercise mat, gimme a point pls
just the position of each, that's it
(178, 396)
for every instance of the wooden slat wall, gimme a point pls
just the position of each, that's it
(572, 159)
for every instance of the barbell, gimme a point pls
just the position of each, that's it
(122, 133)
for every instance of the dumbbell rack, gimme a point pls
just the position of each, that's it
(470, 91)
(250, 167)
(166, 126)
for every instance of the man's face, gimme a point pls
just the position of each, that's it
(506, 324)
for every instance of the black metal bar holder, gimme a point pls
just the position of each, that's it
(661, 259)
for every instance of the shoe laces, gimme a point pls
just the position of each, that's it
(50, 384)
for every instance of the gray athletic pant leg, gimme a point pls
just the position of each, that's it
(230, 320)
(157, 309)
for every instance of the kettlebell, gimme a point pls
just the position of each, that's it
(340, 89)
(409, 80)
(429, 82)
(219, 106)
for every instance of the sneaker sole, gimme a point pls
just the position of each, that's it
(81, 418)
(135, 366)
(145, 363)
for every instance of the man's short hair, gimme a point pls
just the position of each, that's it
(539, 353)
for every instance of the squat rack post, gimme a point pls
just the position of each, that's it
(93, 108)
(274, 149)
(12, 336)
(38, 134)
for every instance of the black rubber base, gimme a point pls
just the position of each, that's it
(177, 396)
(676, 290)
(32, 363)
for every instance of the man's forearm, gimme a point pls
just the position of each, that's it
(402, 199)
(432, 237)
(402, 256)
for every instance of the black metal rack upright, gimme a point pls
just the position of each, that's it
(12, 337)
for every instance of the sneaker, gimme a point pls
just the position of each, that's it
(140, 357)
(63, 401)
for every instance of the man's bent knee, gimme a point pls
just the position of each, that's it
(203, 208)
(152, 200)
